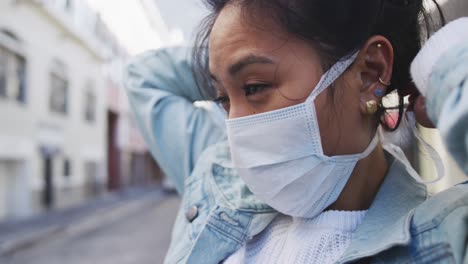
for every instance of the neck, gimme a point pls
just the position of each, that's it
(363, 184)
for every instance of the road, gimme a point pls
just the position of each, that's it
(134, 232)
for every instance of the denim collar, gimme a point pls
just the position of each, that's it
(387, 223)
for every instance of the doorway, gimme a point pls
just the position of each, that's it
(48, 188)
(113, 153)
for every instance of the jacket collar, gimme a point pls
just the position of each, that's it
(387, 223)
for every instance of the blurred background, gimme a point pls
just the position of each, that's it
(77, 183)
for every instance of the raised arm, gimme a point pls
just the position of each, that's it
(162, 92)
(440, 72)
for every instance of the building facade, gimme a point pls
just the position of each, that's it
(66, 133)
(53, 106)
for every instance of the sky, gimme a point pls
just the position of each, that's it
(130, 22)
(123, 17)
(182, 14)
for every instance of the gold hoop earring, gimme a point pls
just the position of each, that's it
(371, 107)
(384, 83)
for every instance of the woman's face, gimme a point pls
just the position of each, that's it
(260, 67)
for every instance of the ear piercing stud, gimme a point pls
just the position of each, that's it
(379, 93)
(371, 106)
(380, 79)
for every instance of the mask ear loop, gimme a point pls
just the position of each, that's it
(433, 154)
(332, 75)
(327, 78)
(398, 153)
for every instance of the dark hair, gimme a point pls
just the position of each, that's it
(337, 28)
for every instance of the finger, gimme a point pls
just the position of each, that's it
(421, 113)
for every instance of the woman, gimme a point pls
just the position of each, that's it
(297, 173)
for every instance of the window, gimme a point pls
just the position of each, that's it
(59, 94)
(12, 75)
(58, 100)
(90, 104)
(91, 171)
(66, 168)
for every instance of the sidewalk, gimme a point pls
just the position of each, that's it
(18, 235)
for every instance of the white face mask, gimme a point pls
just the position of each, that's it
(279, 155)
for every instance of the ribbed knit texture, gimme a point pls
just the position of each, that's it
(322, 239)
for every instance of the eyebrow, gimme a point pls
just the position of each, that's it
(246, 61)
(242, 63)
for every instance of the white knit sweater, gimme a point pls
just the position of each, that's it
(322, 239)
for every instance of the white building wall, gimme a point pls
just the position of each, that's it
(25, 128)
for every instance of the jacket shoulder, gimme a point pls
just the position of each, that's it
(440, 206)
(442, 221)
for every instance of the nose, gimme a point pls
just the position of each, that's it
(240, 107)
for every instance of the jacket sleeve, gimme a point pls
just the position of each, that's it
(455, 224)
(447, 102)
(162, 95)
(440, 72)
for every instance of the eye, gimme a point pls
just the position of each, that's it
(251, 89)
(222, 101)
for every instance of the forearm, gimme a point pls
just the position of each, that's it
(447, 102)
(162, 92)
(440, 72)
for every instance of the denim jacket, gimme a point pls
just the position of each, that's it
(219, 214)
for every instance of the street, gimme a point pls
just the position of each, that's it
(134, 231)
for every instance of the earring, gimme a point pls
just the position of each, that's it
(371, 106)
(379, 45)
(384, 83)
(379, 93)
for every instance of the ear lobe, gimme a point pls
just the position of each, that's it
(374, 94)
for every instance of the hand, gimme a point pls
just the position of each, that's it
(418, 106)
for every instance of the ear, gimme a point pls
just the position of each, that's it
(374, 66)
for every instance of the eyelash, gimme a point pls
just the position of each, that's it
(249, 89)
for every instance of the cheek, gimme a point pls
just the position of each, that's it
(299, 78)
(238, 105)
(327, 113)
(338, 119)
(277, 100)
(292, 87)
